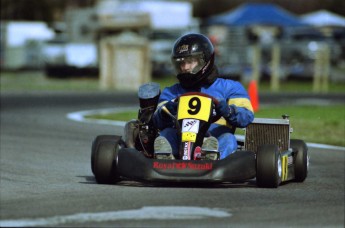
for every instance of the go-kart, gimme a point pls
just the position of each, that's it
(266, 153)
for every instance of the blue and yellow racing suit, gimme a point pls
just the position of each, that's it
(222, 89)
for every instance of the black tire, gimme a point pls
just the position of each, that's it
(95, 143)
(268, 166)
(301, 159)
(105, 158)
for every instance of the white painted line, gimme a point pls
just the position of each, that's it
(158, 213)
(323, 146)
(79, 116)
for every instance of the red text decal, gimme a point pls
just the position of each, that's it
(182, 165)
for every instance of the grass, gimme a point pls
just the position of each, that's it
(36, 81)
(317, 124)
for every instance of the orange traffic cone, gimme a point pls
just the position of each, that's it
(253, 95)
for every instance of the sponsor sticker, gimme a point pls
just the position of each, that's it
(183, 48)
(188, 137)
(284, 165)
(190, 125)
(186, 151)
(182, 166)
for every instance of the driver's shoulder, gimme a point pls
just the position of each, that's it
(226, 82)
(171, 92)
(171, 89)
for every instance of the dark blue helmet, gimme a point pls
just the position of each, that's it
(193, 59)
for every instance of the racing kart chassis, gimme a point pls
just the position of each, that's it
(267, 153)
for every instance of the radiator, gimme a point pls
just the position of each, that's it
(268, 131)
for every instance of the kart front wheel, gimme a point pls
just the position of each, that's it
(104, 160)
(301, 159)
(268, 166)
(95, 144)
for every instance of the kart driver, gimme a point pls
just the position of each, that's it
(193, 59)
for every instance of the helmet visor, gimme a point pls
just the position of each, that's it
(190, 64)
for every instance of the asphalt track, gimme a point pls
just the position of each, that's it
(46, 178)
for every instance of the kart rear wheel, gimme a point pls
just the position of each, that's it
(105, 158)
(301, 159)
(268, 166)
(95, 144)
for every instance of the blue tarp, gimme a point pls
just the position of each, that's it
(256, 14)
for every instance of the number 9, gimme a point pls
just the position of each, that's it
(194, 105)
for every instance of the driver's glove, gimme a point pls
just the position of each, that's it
(225, 110)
